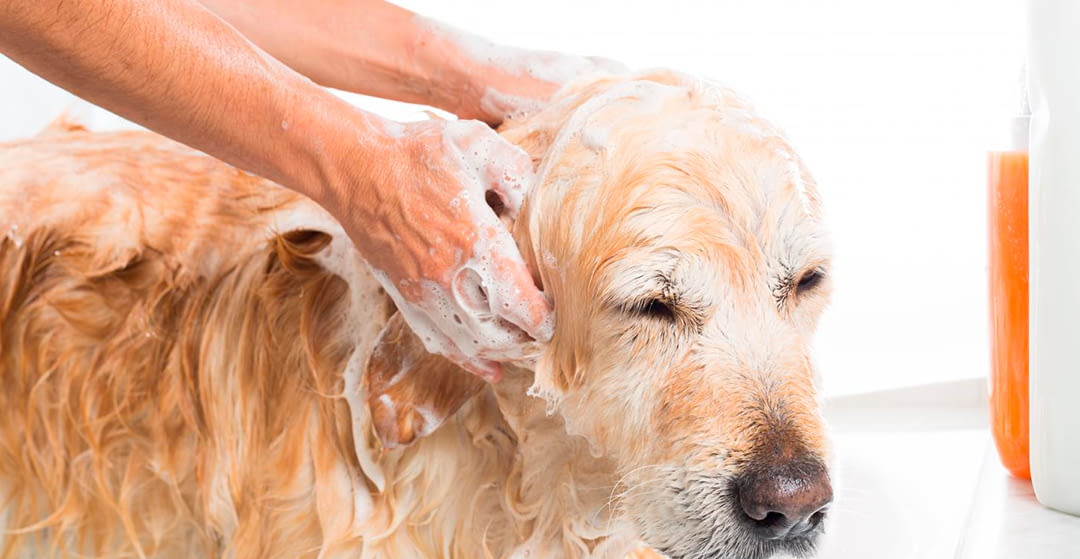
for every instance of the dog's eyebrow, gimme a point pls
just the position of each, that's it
(643, 288)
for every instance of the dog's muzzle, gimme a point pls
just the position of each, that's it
(766, 510)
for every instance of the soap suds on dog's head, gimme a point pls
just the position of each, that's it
(15, 236)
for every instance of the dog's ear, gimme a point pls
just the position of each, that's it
(410, 391)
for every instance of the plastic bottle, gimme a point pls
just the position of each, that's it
(1008, 228)
(1054, 197)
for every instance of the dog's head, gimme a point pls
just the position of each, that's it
(680, 240)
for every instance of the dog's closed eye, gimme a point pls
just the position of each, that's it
(654, 308)
(671, 311)
(791, 289)
(810, 280)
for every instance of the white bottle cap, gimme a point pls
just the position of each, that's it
(1020, 126)
(1021, 123)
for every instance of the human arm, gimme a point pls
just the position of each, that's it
(380, 49)
(176, 68)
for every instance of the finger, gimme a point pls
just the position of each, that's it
(497, 165)
(435, 326)
(491, 336)
(511, 294)
(517, 299)
(441, 341)
(460, 326)
(478, 295)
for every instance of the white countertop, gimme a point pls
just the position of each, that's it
(902, 495)
(1007, 522)
(917, 477)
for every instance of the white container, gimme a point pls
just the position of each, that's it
(1054, 201)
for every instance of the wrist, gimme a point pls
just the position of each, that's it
(335, 152)
(449, 78)
(475, 78)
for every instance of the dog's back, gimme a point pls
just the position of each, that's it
(148, 307)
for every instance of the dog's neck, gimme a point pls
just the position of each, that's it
(564, 491)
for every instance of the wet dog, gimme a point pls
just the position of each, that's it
(196, 363)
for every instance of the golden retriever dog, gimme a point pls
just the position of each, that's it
(195, 363)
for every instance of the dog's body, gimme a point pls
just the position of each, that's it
(196, 363)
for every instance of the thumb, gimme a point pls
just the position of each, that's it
(516, 299)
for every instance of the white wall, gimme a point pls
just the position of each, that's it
(892, 105)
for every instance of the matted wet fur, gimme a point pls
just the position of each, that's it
(196, 364)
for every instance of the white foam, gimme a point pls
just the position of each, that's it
(586, 125)
(431, 421)
(508, 106)
(392, 129)
(546, 392)
(549, 260)
(800, 185)
(342, 259)
(480, 154)
(388, 403)
(650, 96)
(555, 68)
(15, 236)
(356, 397)
(547, 66)
(684, 133)
(5, 514)
(595, 137)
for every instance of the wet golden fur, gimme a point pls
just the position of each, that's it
(182, 349)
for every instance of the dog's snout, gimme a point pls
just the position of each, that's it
(787, 501)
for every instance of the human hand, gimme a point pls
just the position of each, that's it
(425, 227)
(500, 82)
(517, 82)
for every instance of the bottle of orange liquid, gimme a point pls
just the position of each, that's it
(1008, 227)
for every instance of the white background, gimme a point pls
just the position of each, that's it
(892, 105)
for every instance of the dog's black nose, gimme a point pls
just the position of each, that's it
(785, 501)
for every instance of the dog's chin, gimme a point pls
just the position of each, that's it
(744, 547)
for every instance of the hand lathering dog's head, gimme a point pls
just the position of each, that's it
(680, 240)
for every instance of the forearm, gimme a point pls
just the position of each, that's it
(365, 46)
(174, 67)
(376, 48)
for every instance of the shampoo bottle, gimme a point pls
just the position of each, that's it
(1054, 199)
(1008, 257)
